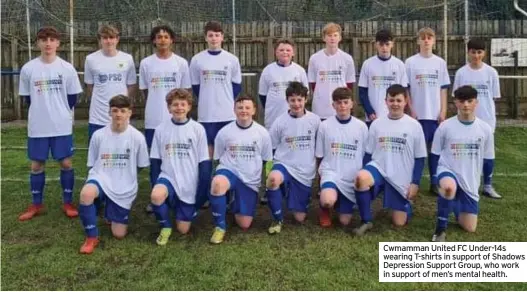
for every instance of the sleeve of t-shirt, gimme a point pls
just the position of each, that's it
(142, 153)
(303, 77)
(219, 145)
(143, 77)
(93, 150)
(236, 72)
(437, 143)
(370, 145)
(350, 71)
(365, 138)
(73, 85)
(194, 72)
(445, 79)
(312, 70)
(263, 89)
(363, 77)
(419, 143)
(185, 74)
(319, 143)
(267, 151)
(403, 75)
(489, 145)
(131, 77)
(495, 85)
(24, 85)
(275, 133)
(203, 147)
(155, 150)
(457, 80)
(408, 71)
(88, 75)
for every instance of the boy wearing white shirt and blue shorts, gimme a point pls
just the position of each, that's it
(114, 156)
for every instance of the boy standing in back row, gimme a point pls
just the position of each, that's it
(485, 80)
(328, 69)
(428, 82)
(50, 87)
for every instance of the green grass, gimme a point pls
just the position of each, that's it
(42, 254)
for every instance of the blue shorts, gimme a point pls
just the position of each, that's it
(392, 198)
(184, 212)
(463, 203)
(149, 136)
(298, 194)
(245, 199)
(429, 128)
(112, 211)
(61, 147)
(92, 128)
(343, 204)
(212, 129)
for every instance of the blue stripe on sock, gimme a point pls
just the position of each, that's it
(37, 182)
(219, 210)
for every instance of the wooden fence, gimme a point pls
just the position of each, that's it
(255, 49)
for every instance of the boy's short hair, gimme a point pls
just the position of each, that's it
(396, 89)
(107, 30)
(244, 97)
(476, 44)
(342, 93)
(331, 28)
(121, 101)
(284, 41)
(296, 88)
(214, 26)
(426, 31)
(158, 29)
(48, 32)
(178, 94)
(465, 92)
(383, 36)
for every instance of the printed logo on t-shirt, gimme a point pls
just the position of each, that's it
(242, 151)
(114, 159)
(393, 144)
(166, 82)
(121, 65)
(383, 81)
(331, 76)
(344, 150)
(301, 142)
(112, 77)
(179, 150)
(427, 79)
(468, 150)
(215, 76)
(53, 84)
(482, 89)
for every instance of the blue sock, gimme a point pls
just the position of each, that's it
(274, 200)
(219, 210)
(67, 180)
(364, 202)
(409, 212)
(37, 182)
(88, 216)
(162, 215)
(154, 173)
(432, 168)
(444, 207)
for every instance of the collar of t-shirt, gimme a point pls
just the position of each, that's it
(466, 123)
(343, 121)
(283, 65)
(395, 119)
(384, 59)
(295, 117)
(242, 127)
(214, 53)
(179, 123)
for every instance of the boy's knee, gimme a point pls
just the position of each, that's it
(119, 234)
(219, 185)
(273, 181)
(88, 194)
(364, 179)
(66, 163)
(158, 195)
(37, 166)
(300, 217)
(345, 220)
(183, 228)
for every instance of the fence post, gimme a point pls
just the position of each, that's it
(15, 67)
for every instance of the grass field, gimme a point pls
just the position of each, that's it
(42, 254)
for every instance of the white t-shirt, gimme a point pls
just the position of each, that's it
(426, 77)
(160, 76)
(181, 147)
(110, 76)
(294, 141)
(487, 83)
(273, 84)
(394, 145)
(377, 75)
(328, 73)
(48, 86)
(215, 74)
(461, 149)
(114, 159)
(242, 151)
(342, 148)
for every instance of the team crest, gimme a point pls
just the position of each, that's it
(120, 65)
(127, 150)
(190, 141)
(225, 68)
(309, 132)
(405, 135)
(356, 141)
